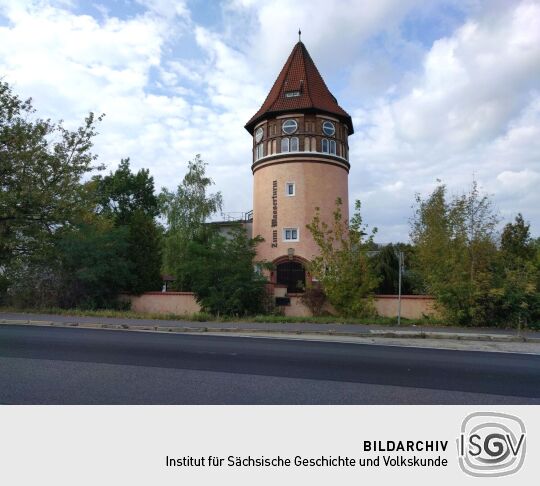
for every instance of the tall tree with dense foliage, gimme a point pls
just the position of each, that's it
(343, 267)
(456, 253)
(93, 265)
(130, 201)
(123, 193)
(517, 292)
(65, 241)
(186, 211)
(223, 274)
(41, 166)
(386, 268)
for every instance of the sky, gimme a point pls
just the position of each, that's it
(439, 90)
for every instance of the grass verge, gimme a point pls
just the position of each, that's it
(271, 319)
(204, 317)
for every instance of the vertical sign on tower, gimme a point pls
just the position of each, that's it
(274, 214)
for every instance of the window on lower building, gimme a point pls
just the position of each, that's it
(290, 189)
(290, 234)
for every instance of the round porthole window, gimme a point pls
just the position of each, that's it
(328, 128)
(258, 134)
(289, 126)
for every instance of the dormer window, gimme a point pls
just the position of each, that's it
(289, 126)
(292, 94)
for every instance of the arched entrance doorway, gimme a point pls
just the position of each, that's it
(292, 274)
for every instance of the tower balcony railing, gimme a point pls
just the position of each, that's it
(238, 216)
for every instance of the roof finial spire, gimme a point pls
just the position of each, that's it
(299, 35)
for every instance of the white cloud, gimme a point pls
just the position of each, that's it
(473, 111)
(468, 104)
(518, 180)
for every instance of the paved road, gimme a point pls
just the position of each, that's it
(62, 365)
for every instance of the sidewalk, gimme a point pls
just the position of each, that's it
(297, 329)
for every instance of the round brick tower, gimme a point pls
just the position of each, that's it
(300, 162)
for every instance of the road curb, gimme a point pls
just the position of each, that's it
(398, 334)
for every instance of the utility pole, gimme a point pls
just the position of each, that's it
(400, 260)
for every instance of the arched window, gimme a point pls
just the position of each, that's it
(314, 144)
(259, 151)
(284, 144)
(324, 145)
(306, 144)
(294, 144)
(333, 147)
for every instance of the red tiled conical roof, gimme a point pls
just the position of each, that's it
(300, 75)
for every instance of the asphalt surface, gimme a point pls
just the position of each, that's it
(82, 366)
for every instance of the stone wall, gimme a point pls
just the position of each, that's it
(184, 303)
(179, 303)
(412, 306)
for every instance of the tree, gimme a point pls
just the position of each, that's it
(516, 241)
(386, 268)
(222, 272)
(187, 211)
(129, 200)
(93, 264)
(87, 268)
(219, 268)
(517, 292)
(122, 193)
(41, 166)
(343, 267)
(456, 253)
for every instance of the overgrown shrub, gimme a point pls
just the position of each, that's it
(314, 298)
